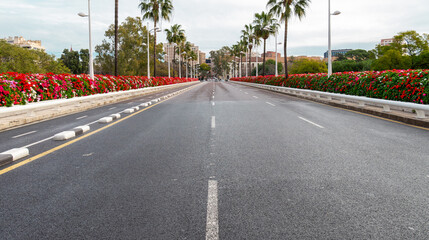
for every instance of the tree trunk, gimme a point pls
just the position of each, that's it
(116, 37)
(285, 50)
(263, 63)
(154, 49)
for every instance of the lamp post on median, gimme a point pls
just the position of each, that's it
(329, 37)
(277, 71)
(91, 63)
(148, 46)
(168, 62)
(180, 63)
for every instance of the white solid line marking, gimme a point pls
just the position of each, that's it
(212, 227)
(112, 108)
(317, 125)
(255, 97)
(213, 122)
(79, 118)
(44, 140)
(24, 134)
(270, 104)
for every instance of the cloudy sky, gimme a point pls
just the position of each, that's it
(212, 24)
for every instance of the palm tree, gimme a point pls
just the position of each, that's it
(175, 35)
(235, 52)
(253, 40)
(156, 10)
(284, 9)
(265, 25)
(116, 37)
(242, 46)
(245, 44)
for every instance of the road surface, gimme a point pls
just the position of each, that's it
(219, 161)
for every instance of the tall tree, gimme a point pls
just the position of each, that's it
(265, 26)
(175, 35)
(16, 59)
(285, 9)
(116, 37)
(156, 10)
(244, 42)
(132, 54)
(253, 39)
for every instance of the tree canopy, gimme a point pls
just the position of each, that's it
(16, 59)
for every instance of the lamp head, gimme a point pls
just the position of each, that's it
(81, 14)
(336, 13)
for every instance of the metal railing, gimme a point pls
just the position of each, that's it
(420, 109)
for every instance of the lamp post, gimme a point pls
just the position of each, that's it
(329, 37)
(168, 60)
(180, 63)
(148, 46)
(91, 63)
(257, 64)
(241, 62)
(277, 71)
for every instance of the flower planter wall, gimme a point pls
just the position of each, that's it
(17, 88)
(399, 85)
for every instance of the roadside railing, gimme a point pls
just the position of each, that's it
(420, 109)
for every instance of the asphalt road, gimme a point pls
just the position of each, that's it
(221, 161)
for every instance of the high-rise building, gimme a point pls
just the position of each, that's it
(28, 44)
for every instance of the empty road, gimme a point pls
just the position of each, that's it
(218, 161)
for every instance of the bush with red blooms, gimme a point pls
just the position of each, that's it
(19, 89)
(399, 85)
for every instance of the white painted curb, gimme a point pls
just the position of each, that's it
(64, 135)
(84, 129)
(17, 153)
(105, 120)
(129, 110)
(115, 116)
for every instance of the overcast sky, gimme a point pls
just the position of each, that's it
(212, 24)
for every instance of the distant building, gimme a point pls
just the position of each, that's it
(387, 41)
(336, 53)
(169, 50)
(28, 44)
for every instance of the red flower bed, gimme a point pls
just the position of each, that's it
(17, 88)
(400, 85)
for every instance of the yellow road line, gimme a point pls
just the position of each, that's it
(15, 166)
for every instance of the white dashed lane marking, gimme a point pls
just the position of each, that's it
(270, 104)
(315, 124)
(212, 225)
(255, 97)
(213, 122)
(112, 108)
(24, 134)
(81, 117)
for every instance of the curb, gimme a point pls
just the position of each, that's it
(13, 155)
(387, 115)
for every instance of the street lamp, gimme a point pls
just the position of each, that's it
(277, 71)
(148, 46)
(180, 63)
(329, 37)
(168, 58)
(257, 64)
(91, 63)
(241, 62)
